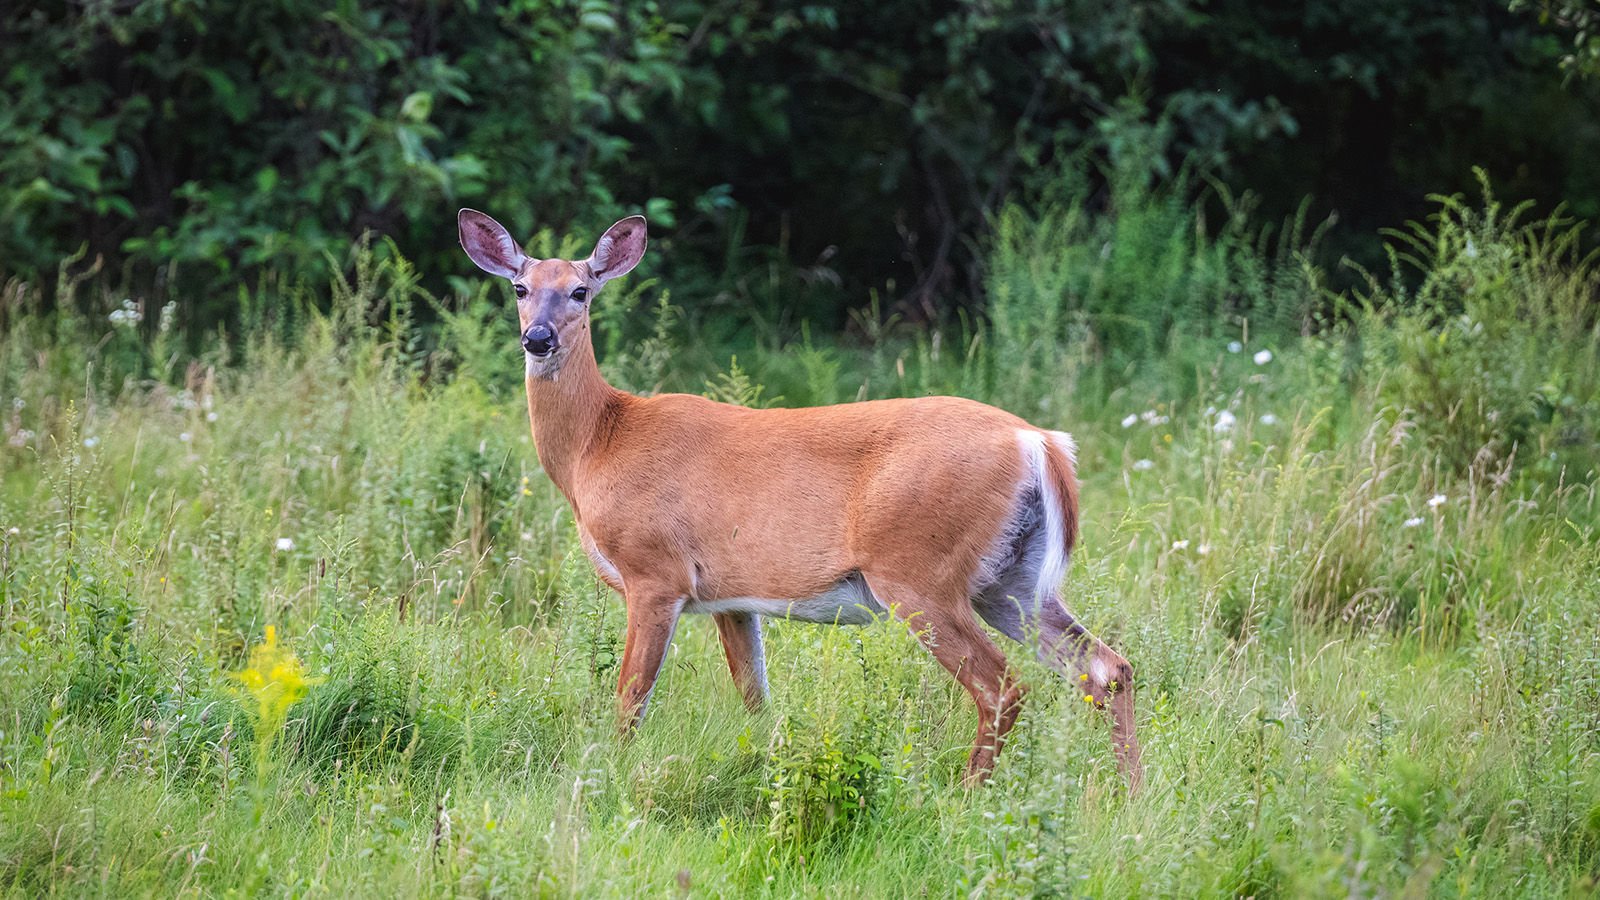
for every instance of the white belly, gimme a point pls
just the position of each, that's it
(848, 603)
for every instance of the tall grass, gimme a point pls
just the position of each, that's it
(1358, 591)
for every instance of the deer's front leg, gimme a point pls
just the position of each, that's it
(741, 641)
(652, 617)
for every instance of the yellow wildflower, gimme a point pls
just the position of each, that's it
(276, 681)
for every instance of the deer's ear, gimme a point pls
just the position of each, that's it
(489, 244)
(619, 249)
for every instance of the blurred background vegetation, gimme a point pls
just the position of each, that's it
(179, 149)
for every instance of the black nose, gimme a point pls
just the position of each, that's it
(540, 340)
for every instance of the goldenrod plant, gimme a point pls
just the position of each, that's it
(273, 683)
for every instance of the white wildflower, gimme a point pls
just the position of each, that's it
(1128, 421)
(1471, 251)
(13, 530)
(285, 544)
(128, 315)
(186, 437)
(1269, 419)
(211, 417)
(1225, 422)
(1235, 346)
(1143, 465)
(1437, 500)
(1180, 545)
(91, 442)
(1263, 357)
(1151, 417)
(1414, 521)
(168, 313)
(1203, 549)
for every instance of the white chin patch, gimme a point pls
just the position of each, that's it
(547, 367)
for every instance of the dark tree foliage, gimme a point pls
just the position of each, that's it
(1393, 101)
(201, 144)
(256, 135)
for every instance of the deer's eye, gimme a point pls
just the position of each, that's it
(521, 291)
(581, 294)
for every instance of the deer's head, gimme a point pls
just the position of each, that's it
(553, 295)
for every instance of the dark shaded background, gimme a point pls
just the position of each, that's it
(197, 147)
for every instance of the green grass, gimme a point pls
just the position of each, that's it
(1344, 689)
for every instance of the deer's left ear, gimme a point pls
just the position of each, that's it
(619, 249)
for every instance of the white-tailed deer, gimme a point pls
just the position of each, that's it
(932, 509)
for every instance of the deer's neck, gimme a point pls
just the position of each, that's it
(567, 412)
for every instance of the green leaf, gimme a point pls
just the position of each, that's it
(659, 211)
(417, 106)
(598, 21)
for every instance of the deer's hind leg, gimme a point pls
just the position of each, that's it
(943, 621)
(1019, 596)
(1032, 613)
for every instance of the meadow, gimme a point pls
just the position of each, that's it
(291, 611)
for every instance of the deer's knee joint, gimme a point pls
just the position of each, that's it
(1011, 700)
(1121, 676)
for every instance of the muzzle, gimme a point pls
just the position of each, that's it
(540, 340)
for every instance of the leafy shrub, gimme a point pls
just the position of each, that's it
(1496, 348)
(1063, 283)
(371, 707)
(110, 670)
(839, 755)
(821, 776)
